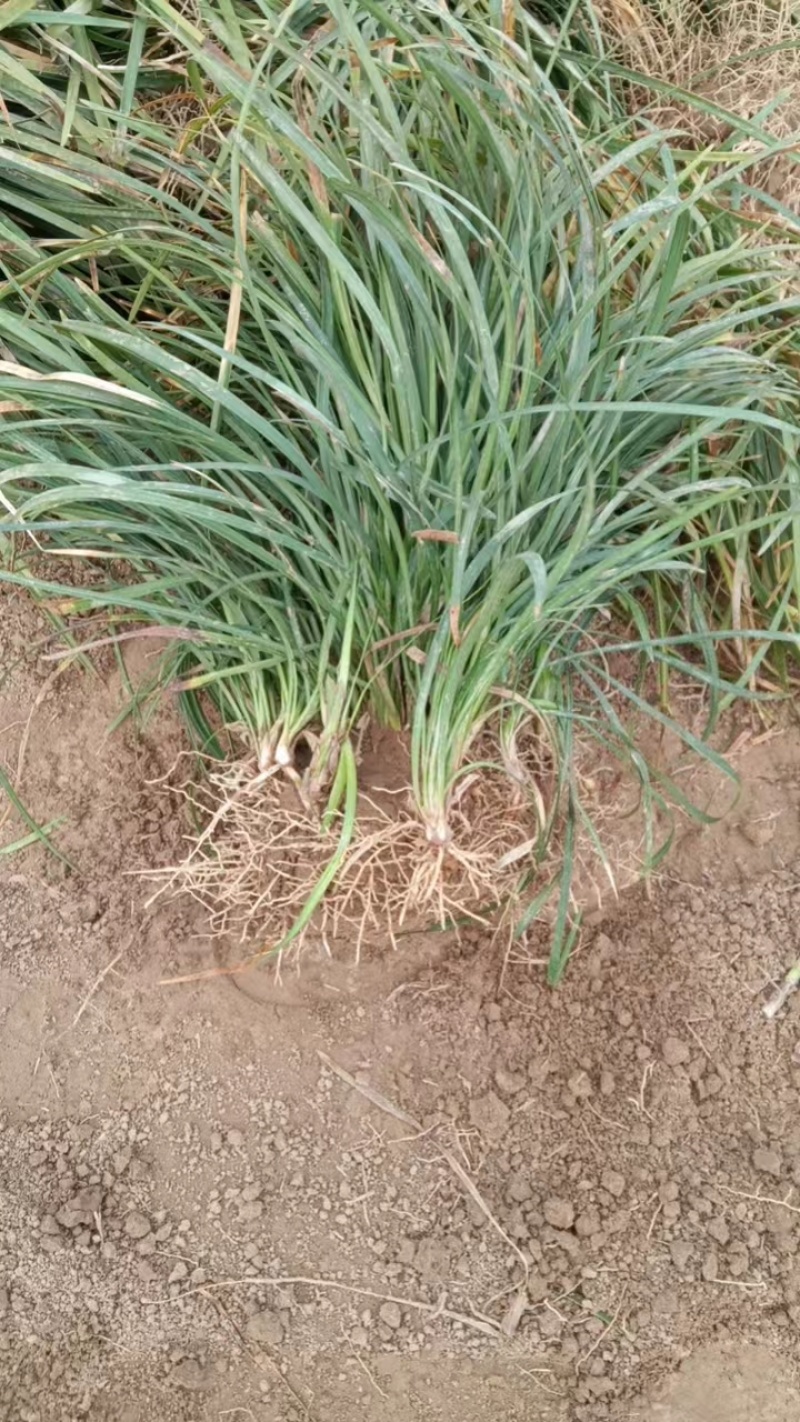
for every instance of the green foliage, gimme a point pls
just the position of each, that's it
(385, 358)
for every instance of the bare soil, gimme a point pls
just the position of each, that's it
(425, 1187)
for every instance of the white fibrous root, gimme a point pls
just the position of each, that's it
(267, 849)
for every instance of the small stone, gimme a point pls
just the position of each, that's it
(559, 1213)
(675, 1052)
(359, 1337)
(767, 1161)
(49, 1225)
(190, 1376)
(681, 1252)
(137, 1225)
(179, 1272)
(235, 1139)
(389, 1313)
(5, 1301)
(718, 1229)
(607, 1083)
(613, 1182)
(265, 1327)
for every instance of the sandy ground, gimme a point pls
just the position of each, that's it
(416, 1189)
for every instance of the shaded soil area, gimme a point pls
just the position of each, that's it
(425, 1187)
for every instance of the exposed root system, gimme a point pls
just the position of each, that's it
(260, 854)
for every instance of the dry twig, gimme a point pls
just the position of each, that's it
(437, 1310)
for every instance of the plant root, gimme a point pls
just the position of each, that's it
(260, 853)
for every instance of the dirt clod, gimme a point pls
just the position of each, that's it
(137, 1225)
(718, 1229)
(189, 1375)
(559, 1213)
(265, 1327)
(581, 1086)
(710, 1269)
(391, 1315)
(681, 1252)
(509, 1082)
(675, 1051)
(490, 1116)
(767, 1161)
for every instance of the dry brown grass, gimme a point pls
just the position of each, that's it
(744, 57)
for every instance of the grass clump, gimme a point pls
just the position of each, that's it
(412, 385)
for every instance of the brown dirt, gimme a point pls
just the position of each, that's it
(203, 1217)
